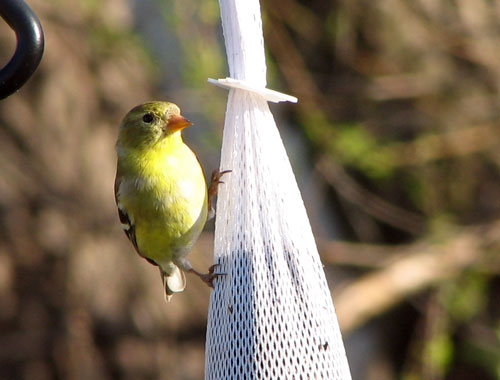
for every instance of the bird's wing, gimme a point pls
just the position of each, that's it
(127, 224)
(125, 220)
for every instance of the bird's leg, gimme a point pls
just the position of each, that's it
(209, 277)
(212, 189)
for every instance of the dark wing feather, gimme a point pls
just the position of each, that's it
(127, 225)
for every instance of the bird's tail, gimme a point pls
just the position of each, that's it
(174, 282)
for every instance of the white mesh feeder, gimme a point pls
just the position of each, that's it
(271, 316)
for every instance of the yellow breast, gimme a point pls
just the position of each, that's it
(166, 200)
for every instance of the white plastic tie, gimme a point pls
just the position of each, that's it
(266, 93)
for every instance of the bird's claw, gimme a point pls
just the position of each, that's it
(211, 269)
(209, 277)
(212, 189)
(215, 180)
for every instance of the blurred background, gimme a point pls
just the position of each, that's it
(395, 143)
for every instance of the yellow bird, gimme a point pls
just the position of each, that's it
(160, 191)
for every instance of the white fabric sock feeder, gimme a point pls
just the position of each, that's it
(271, 316)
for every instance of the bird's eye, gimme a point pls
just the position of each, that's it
(148, 117)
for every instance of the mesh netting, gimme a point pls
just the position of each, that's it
(271, 316)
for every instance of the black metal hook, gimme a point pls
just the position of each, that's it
(30, 44)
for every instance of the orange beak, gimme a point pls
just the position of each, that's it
(177, 122)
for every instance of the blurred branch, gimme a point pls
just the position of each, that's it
(302, 84)
(458, 142)
(401, 86)
(415, 270)
(362, 255)
(298, 17)
(465, 39)
(384, 211)
(292, 64)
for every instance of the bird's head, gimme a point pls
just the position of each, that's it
(147, 124)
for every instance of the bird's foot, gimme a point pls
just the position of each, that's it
(213, 188)
(209, 277)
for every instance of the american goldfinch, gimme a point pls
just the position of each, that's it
(160, 191)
